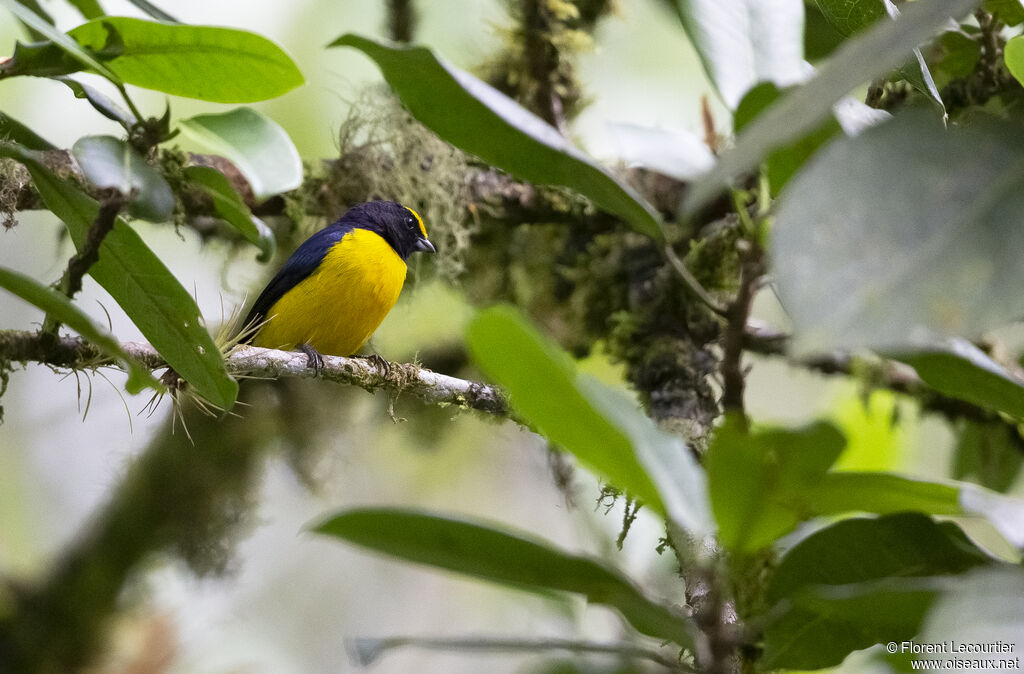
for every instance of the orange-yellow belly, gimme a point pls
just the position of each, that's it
(337, 307)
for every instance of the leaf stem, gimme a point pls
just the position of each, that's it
(692, 284)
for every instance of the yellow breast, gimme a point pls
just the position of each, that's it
(337, 307)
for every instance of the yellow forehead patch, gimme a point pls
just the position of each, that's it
(419, 220)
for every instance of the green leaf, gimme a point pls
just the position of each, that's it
(844, 492)
(990, 454)
(962, 370)
(229, 205)
(140, 283)
(955, 54)
(878, 50)
(89, 9)
(224, 65)
(499, 556)
(861, 264)
(256, 144)
(108, 162)
(836, 591)
(62, 40)
(860, 549)
(752, 478)
(99, 102)
(604, 431)
(851, 16)
(764, 484)
(1011, 12)
(743, 42)
(839, 493)
(61, 308)
(484, 122)
(820, 37)
(1013, 53)
(13, 130)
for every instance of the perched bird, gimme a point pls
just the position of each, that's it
(338, 286)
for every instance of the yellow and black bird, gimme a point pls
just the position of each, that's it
(338, 286)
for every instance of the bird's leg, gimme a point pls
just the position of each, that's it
(313, 358)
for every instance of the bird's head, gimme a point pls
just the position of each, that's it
(400, 226)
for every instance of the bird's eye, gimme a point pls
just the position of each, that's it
(411, 222)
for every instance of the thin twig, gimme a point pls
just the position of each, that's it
(734, 381)
(79, 264)
(368, 650)
(692, 284)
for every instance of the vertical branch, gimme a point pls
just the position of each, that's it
(401, 20)
(735, 332)
(80, 263)
(542, 62)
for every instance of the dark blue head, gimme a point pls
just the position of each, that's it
(400, 226)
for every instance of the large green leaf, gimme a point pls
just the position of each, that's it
(836, 591)
(224, 65)
(1011, 12)
(603, 430)
(138, 281)
(230, 206)
(482, 121)
(61, 308)
(496, 555)
(109, 162)
(883, 493)
(256, 144)
(743, 42)
(898, 254)
(61, 41)
(876, 51)
(961, 370)
(755, 479)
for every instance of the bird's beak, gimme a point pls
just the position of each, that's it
(425, 246)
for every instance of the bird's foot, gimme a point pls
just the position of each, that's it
(314, 358)
(383, 366)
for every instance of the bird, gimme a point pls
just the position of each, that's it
(337, 287)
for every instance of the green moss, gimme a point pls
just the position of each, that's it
(13, 177)
(386, 154)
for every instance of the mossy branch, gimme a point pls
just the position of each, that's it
(396, 378)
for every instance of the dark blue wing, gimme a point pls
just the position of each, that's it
(299, 266)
